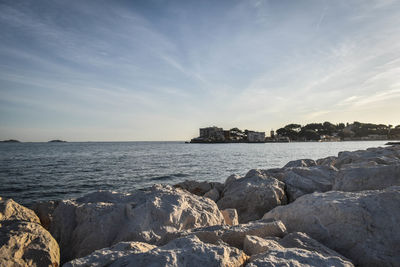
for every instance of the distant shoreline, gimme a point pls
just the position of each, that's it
(188, 142)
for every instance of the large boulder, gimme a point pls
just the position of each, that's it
(23, 241)
(305, 180)
(199, 188)
(367, 178)
(362, 226)
(230, 216)
(252, 196)
(106, 256)
(186, 251)
(301, 180)
(328, 161)
(102, 219)
(379, 155)
(300, 163)
(12, 211)
(232, 235)
(185, 247)
(297, 258)
(295, 249)
(213, 194)
(303, 241)
(254, 245)
(231, 178)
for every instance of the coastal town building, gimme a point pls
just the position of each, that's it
(281, 139)
(329, 138)
(219, 135)
(322, 132)
(374, 137)
(213, 133)
(255, 137)
(210, 135)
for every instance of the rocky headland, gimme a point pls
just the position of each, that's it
(337, 211)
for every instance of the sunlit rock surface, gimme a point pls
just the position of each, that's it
(185, 251)
(295, 249)
(252, 196)
(101, 219)
(232, 235)
(363, 226)
(367, 178)
(23, 241)
(106, 256)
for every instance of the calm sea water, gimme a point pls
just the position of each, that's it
(31, 172)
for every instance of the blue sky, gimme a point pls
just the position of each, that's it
(159, 70)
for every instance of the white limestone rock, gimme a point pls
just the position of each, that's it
(277, 173)
(186, 251)
(106, 256)
(303, 241)
(195, 187)
(23, 241)
(301, 180)
(380, 155)
(232, 235)
(295, 249)
(300, 163)
(328, 161)
(235, 235)
(252, 196)
(305, 180)
(254, 245)
(362, 226)
(231, 178)
(12, 211)
(213, 194)
(371, 178)
(200, 188)
(102, 219)
(296, 257)
(230, 216)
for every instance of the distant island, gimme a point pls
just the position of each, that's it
(57, 141)
(10, 141)
(322, 132)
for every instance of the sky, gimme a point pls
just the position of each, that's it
(101, 70)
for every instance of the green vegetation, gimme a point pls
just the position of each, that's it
(327, 130)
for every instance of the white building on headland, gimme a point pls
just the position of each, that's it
(214, 133)
(255, 137)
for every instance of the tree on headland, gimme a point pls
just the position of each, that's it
(309, 135)
(329, 128)
(294, 127)
(357, 130)
(292, 134)
(317, 127)
(340, 126)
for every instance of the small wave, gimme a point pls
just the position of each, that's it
(161, 178)
(180, 175)
(167, 177)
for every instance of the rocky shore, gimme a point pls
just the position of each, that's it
(338, 211)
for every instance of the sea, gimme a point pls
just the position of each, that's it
(32, 172)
